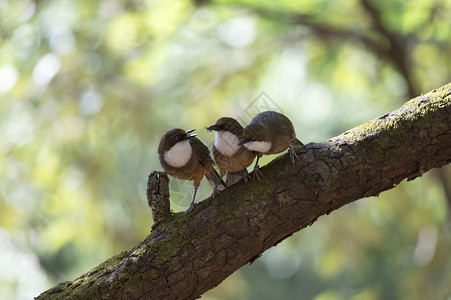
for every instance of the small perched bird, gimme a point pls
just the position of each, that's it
(231, 159)
(270, 132)
(182, 155)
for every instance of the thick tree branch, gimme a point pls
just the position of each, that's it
(186, 255)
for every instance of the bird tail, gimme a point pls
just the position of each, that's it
(215, 181)
(234, 177)
(295, 143)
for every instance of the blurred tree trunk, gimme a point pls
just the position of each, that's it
(186, 255)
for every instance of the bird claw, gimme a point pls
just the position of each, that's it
(246, 177)
(257, 173)
(293, 155)
(215, 192)
(190, 208)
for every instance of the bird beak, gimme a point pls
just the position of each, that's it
(188, 133)
(212, 127)
(243, 140)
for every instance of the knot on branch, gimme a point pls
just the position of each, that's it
(158, 196)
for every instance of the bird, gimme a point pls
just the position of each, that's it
(270, 132)
(182, 155)
(231, 159)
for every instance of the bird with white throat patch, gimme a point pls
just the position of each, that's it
(182, 155)
(270, 132)
(232, 159)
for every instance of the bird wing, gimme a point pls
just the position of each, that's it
(201, 151)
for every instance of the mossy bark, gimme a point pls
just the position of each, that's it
(188, 254)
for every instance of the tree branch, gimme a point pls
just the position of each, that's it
(186, 255)
(397, 51)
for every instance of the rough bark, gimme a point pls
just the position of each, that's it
(186, 255)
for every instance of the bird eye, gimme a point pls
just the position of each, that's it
(226, 126)
(254, 137)
(177, 138)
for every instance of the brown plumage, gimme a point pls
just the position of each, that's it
(184, 156)
(231, 158)
(270, 132)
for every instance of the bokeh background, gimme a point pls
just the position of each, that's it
(88, 87)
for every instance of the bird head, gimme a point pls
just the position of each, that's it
(174, 136)
(226, 124)
(251, 133)
(255, 138)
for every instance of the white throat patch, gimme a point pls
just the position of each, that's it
(226, 142)
(258, 146)
(179, 154)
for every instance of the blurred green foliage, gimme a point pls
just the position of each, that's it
(88, 87)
